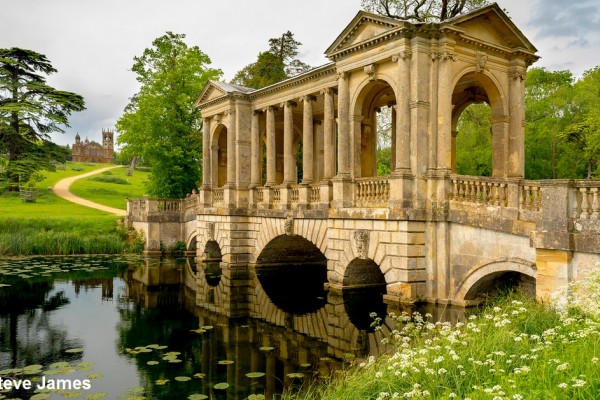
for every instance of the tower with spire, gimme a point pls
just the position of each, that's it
(94, 152)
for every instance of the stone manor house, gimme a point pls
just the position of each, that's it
(91, 151)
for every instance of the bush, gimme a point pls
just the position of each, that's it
(110, 179)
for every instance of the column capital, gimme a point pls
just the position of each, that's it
(217, 118)
(329, 90)
(403, 55)
(258, 112)
(343, 75)
(308, 97)
(269, 108)
(288, 103)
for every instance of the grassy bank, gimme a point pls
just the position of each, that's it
(518, 349)
(112, 188)
(52, 225)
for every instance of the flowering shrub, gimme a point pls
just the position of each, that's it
(517, 349)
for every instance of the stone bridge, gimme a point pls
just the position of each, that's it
(290, 171)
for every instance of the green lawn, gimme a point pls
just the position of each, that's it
(112, 194)
(36, 228)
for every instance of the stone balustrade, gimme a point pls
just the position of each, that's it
(372, 192)
(530, 196)
(585, 200)
(482, 190)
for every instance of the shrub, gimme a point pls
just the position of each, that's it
(110, 179)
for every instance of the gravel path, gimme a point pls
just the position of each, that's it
(61, 189)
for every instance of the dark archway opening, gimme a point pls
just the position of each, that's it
(212, 263)
(292, 272)
(364, 287)
(499, 283)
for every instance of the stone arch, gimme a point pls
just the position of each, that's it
(363, 273)
(369, 96)
(219, 155)
(292, 271)
(191, 243)
(488, 271)
(471, 86)
(315, 231)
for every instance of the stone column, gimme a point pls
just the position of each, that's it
(206, 166)
(402, 126)
(271, 149)
(289, 170)
(445, 138)
(329, 135)
(516, 139)
(343, 125)
(231, 149)
(255, 151)
(393, 137)
(308, 141)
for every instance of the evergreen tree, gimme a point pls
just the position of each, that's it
(30, 110)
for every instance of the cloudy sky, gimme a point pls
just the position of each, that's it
(92, 42)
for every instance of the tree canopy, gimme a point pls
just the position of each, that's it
(161, 124)
(274, 65)
(422, 10)
(30, 110)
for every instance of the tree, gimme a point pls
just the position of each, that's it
(421, 10)
(267, 70)
(274, 65)
(549, 109)
(161, 124)
(30, 110)
(584, 131)
(474, 141)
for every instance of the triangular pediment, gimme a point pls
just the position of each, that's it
(491, 25)
(214, 90)
(363, 28)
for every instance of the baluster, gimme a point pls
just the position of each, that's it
(454, 189)
(538, 198)
(503, 194)
(523, 197)
(461, 190)
(477, 192)
(595, 204)
(585, 205)
(467, 191)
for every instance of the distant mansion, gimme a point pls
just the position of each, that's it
(87, 151)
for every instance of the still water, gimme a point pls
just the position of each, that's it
(120, 327)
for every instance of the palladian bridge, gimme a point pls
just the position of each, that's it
(290, 171)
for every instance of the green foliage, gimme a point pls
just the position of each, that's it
(161, 123)
(384, 160)
(514, 349)
(267, 70)
(29, 111)
(422, 10)
(57, 237)
(110, 179)
(474, 141)
(179, 247)
(274, 65)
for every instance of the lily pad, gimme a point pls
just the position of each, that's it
(296, 375)
(161, 381)
(96, 396)
(40, 396)
(255, 374)
(221, 386)
(199, 375)
(75, 350)
(72, 395)
(305, 365)
(266, 348)
(95, 376)
(197, 396)
(175, 361)
(226, 362)
(207, 327)
(183, 378)
(152, 362)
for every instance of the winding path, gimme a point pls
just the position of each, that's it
(61, 189)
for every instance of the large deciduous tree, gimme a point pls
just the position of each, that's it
(422, 10)
(274, 65)
(30, 110)
(161, 124)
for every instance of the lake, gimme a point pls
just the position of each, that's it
(128, 327)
